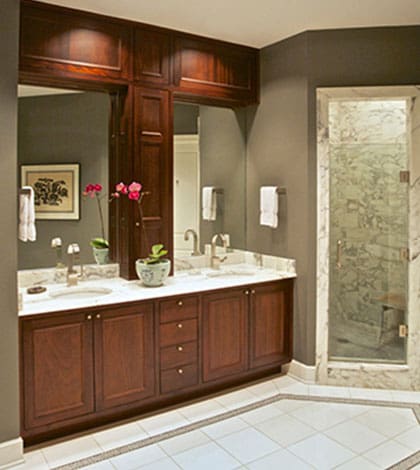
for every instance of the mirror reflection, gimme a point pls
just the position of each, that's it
(209, 175)
(58, 128)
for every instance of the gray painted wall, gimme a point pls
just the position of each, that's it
(222, 164)
(9, 398)
(185, 118)
(282, 138)
(65, 129)
(278, 155)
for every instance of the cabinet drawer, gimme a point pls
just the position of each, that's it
(178, 332)
(178, 309)
(177, 355)
(178, 378)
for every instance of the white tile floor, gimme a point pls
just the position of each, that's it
(290, 434)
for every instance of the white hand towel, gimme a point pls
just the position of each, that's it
(27, 230)
(269, 206)
(209, 203)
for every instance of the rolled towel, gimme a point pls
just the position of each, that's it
(269, 206)
(209, 203)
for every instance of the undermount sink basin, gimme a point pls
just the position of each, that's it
(76, 293)
(231, 272)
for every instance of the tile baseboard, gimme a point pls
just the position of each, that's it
(300, 371)
(11, 453)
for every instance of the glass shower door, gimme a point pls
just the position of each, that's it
(368, 230)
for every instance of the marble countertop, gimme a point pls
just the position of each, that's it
(121, 290)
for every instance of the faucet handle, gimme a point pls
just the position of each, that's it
(56, 242)
(73, 248)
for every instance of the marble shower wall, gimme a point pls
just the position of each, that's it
(369, 214)
(364, 374)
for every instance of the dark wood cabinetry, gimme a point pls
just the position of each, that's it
(57, 370)
(153, 167)
(56, 42)
(270, 323)
(215, 69)
(124, 355)
(225, 334)
(178, 333)
(246, 328)
(152, 57)
(80, 368)
(76, 364)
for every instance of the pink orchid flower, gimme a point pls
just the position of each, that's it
(134, 195)
(135, 187)
(121, 188)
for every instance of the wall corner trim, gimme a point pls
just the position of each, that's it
(302, 372)
(11, 453)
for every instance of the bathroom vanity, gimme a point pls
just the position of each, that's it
(129, 350)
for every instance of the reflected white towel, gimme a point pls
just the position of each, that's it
(269, 206)
(209, 203)
(27, 230)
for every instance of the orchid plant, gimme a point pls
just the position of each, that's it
(134, 192)
(94, 191)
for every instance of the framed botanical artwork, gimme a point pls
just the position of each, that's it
(56, 188)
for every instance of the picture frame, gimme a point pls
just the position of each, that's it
(56, 188)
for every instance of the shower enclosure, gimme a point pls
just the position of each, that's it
(368, 228)
(368, 237)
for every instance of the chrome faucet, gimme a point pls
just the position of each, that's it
(216, 260)
(73, 252)
(196, 249)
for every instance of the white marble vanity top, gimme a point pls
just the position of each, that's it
(121, 290)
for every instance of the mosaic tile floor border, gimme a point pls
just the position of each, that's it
(405, 464)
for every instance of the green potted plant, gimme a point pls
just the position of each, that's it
(154, 269)
(100, 245)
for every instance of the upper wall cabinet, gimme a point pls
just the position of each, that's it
(67, 43)
(151, 57)
(214, 69)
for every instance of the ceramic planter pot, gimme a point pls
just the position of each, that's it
(101, 255)
(153, 275)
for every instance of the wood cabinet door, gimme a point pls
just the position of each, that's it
(57, 368)
(124, 355)
(225, 334)
(153, 169)
(62, 42)
(221, 70)
(151, 56)
(271, 324)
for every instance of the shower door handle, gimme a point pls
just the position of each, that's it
(339, 247)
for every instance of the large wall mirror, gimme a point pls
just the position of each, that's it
(59, 127)
(209, 151)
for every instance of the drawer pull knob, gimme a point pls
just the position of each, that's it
(180, 371)
(89, 317)
(246, 292)
(179, 348)
(180, 303)
(98, 316)
(252, 291)
(179, 325)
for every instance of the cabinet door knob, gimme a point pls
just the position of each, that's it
(179, 325)
(246, 292)
(180, 303)
(98, 316)
(253, 291)
(180, 371)
(180, 348)
(137, 224)
(89, 317)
